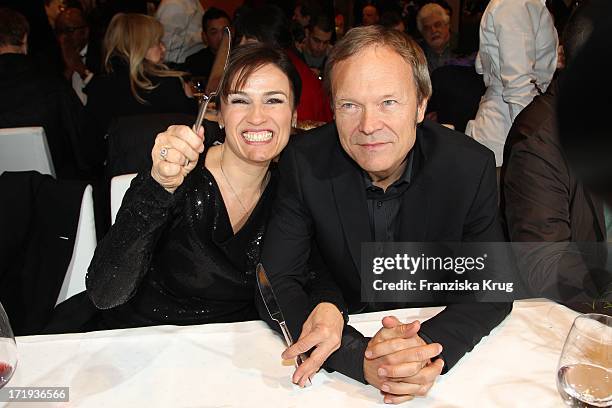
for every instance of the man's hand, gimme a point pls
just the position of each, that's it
(398, 362)
(323, 331)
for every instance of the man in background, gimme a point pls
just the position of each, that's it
(317, 44)
(433, 22)
(73, 36)
(213, 22)
(369, 15)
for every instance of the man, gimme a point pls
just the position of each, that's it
(542, 199)
(304, 12)
(213, 23)
(369, 15)
(517, 57)
(181, 20)
(73, 36)
(32, 97)
(433, 22)
(318, 37)
(377, 175)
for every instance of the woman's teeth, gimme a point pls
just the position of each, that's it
(261, 136)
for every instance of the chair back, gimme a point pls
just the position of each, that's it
(84, 247)
(25, 148)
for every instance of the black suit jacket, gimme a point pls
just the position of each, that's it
(320, 220)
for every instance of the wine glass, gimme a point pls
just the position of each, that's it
(198, 87)
(8, 349)
(584, 376)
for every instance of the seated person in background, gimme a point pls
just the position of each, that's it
(517, 58)
(541, 196)
(377, 175)
(317, 44)
(80, 66)
(187, 237)
(181, 20)
(269, 25)
(135, 80)
(369, 15)
(433, 22)
(32, 97)
(213, 22)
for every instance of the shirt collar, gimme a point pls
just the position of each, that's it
(405, 178)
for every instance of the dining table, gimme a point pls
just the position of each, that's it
(240, 365)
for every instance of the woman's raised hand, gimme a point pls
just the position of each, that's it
(175, 154)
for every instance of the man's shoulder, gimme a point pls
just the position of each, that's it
(317, 144)
(444, 146)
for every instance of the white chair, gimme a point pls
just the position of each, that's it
(119, 186)
(84, 247)
(23, 149)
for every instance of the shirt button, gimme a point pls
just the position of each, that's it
(379, 204)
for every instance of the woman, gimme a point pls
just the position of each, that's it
(135, 80)
(186, 241)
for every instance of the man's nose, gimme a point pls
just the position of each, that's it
(370, 121)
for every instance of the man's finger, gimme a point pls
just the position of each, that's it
(400, 388)
(303, 345)
(427, 374)
(309, 367)
(396, 399)
(413, 355)
(390, 346)
(399, 330)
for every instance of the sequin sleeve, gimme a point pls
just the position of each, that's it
(123, 257)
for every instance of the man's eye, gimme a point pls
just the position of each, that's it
(389, 102)
(347, 105)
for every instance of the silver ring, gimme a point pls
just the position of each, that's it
(163, 153)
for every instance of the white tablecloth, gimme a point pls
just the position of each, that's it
(239, 364)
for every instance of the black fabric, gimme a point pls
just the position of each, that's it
(321, 204)
(384, 206)
(131, 139)
(200, 63)
(174, 259)
(109, 96)
(456, 93)
(31, 97)
(38, 219)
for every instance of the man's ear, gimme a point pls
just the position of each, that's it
(421, 109)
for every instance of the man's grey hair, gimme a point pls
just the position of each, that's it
(360, 38)
(431, 9)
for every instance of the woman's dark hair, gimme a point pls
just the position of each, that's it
(248, 58)
(267, 24)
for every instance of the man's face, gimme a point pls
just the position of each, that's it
(436, 32)
(317, 42)
(214, 33)
(72, 24)
(369, 15)
(299, 17)
(376, 109)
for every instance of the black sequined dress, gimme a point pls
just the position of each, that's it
(174, 259)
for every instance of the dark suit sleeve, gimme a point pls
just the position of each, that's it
(538, 194)
(459, 327)
(289, 259)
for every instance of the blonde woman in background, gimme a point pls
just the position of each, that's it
(135, 80)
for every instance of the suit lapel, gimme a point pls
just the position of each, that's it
(350, 198)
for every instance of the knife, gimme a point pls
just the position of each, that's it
(265, 288)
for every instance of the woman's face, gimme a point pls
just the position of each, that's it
(258, 117)
(156, 53)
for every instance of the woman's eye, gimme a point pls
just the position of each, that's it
(238, 101)
(274, 101)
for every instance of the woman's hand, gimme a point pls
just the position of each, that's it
(323, 331)
(175, 154)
